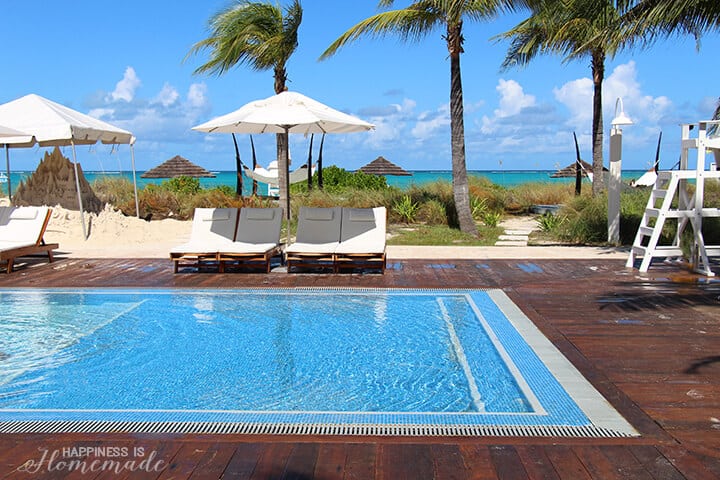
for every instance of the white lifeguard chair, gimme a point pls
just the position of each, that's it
(670, 200)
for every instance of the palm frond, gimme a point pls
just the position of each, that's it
(409, 24)
(252, 33)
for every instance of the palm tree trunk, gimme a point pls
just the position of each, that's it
(283, 148)
(598, 73)
(282, 159)
(461, 193)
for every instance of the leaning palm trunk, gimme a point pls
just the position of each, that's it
(598, 73)
(461, 192)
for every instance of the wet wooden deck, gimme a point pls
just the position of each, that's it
(649, 343)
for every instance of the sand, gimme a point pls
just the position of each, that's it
(113, 235)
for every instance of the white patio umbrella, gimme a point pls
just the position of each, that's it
(51, 124)
(286, 112)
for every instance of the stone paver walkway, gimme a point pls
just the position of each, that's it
(517, 231)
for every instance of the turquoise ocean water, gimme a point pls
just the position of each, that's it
(506, 178)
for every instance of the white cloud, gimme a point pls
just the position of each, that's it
(577, 96)
(166, 117)
(167, 96)
(196, 96)
(125, 88)
(430, 123)
(512, 98)
(512, 101)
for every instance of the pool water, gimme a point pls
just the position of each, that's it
(272, 356)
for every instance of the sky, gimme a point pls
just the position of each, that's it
(127, 64)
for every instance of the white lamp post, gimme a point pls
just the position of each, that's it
(614, 182)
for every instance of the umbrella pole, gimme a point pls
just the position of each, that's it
(7, 166)
(77, 187)
(254, 165)
(287, 175)
(309, 164)
(320, 167)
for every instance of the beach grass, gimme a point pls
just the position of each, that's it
(422, 214)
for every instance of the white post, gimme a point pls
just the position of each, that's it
(7, 166)
(614, 185)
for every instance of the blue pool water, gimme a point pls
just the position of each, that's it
(272, 356)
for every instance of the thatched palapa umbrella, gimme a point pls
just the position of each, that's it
(384, 167)
(177, 167)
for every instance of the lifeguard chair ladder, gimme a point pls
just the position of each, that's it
(670, 199)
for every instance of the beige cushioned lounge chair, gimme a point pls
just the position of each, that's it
(257, 238)
(318, 234)
(362, 239)
(21, 233)
(211, 229)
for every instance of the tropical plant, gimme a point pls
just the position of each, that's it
(406, 208)
(574, 29)
(478, 206)
(549, 222)
(262, 36)
(491, 219)
(415, 22)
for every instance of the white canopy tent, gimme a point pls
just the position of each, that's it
(17, 135)
(50, 124)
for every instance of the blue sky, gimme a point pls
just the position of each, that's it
(125, 63)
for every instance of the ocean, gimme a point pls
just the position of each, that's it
(505, 178)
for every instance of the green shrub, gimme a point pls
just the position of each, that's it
(406, 208)
(114, 190)
(478, 207)
(491, 219)
(336, 179)
(225, 190)
(549, 222)
(182, 185)
(432, 212)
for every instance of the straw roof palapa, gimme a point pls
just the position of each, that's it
(382, 166)
(569, 171)
(177, 167)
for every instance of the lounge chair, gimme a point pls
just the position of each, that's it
(21, 233)
(211, 229)
(257, 238)
(318, 234)
(362, 239)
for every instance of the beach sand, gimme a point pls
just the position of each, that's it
(114, 235)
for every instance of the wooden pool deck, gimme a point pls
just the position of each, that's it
(650, 343)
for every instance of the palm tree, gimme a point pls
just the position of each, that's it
(262, 36)
(672, 16)
(575, 29)
(415, 22)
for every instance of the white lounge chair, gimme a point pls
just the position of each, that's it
(21, 233)
(211, 229)
(362, 239)
(257, 238)
(318, 235)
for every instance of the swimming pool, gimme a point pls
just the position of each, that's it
(306, 360)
